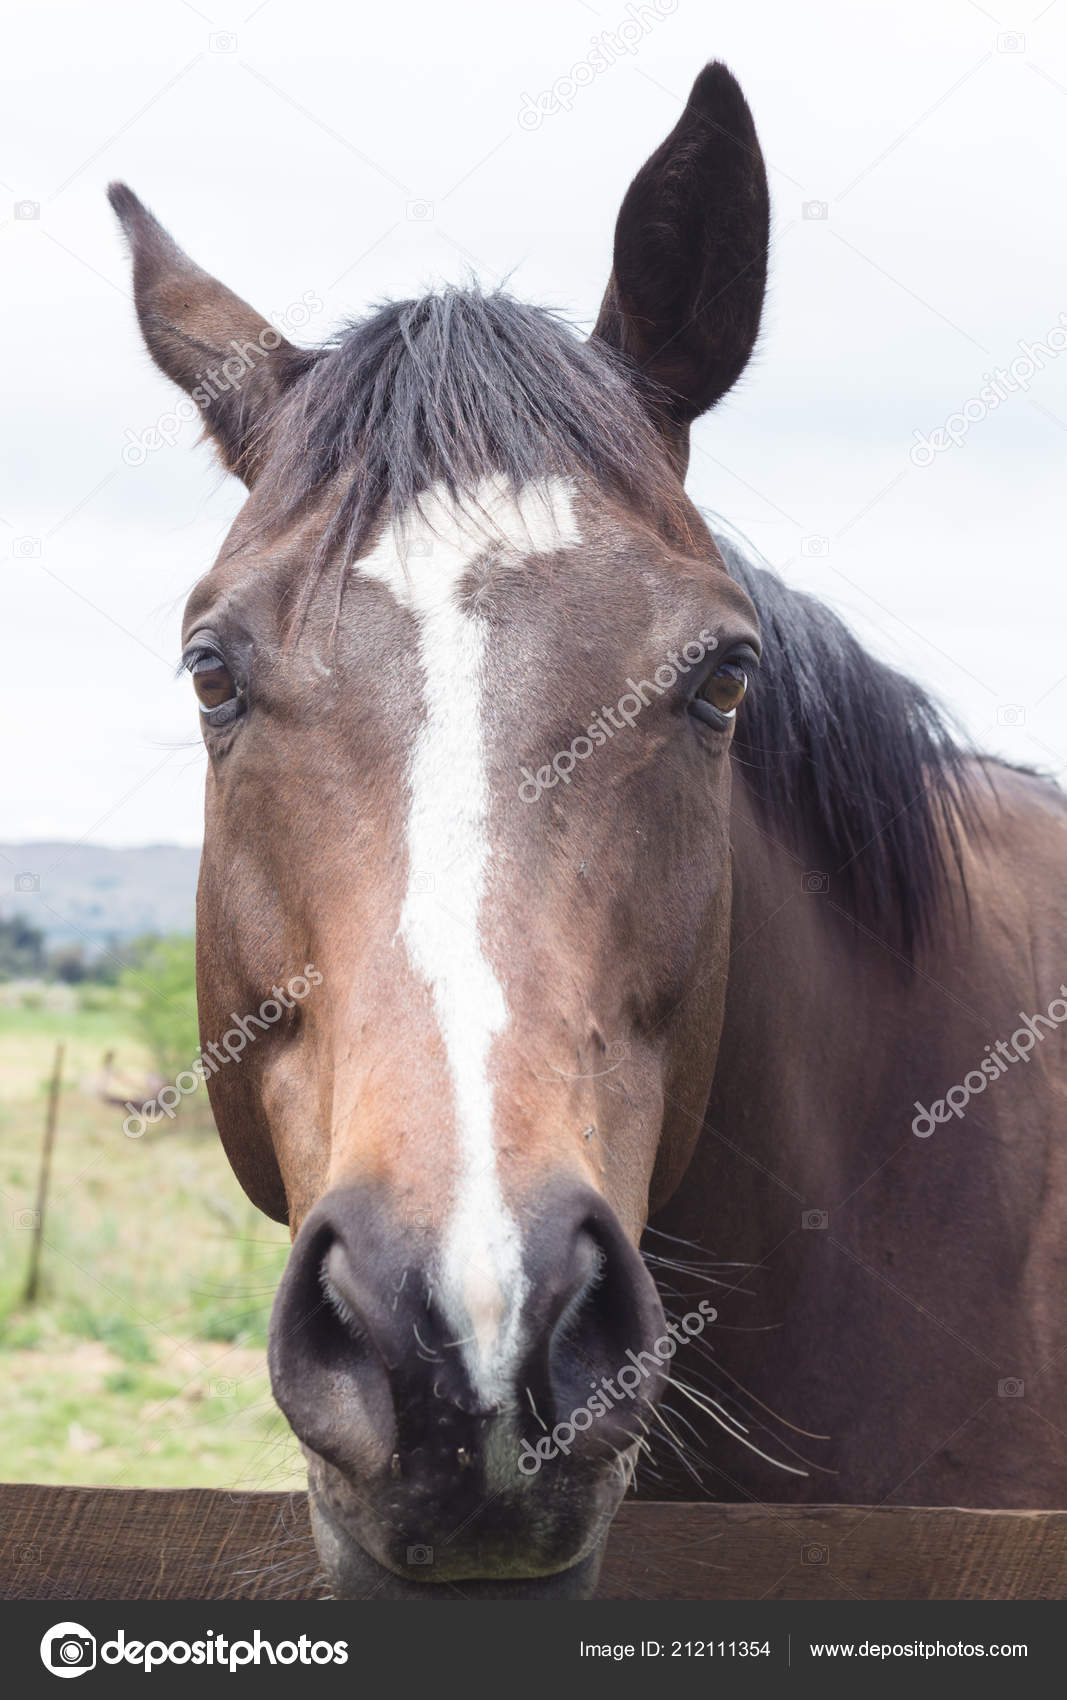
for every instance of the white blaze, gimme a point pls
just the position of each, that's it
(423, 561)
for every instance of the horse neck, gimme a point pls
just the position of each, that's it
(807, 1072)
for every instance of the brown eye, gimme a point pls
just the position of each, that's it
(212, 681)
(725, 688)
(214, 685)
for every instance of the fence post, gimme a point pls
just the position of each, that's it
(34, 1275)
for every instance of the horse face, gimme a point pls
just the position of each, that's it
(487, 822)
(467, 827)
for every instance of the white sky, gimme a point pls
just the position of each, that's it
(936, 132)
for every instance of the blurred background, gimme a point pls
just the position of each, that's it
(134, 1296)
(896, 448)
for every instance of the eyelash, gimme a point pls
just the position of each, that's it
(199, 652)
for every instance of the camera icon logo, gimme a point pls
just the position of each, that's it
(27, 881)
(815, 1219)
(26, 548)
(223, 41)
(815, 545)
(1011, 42)
(27, 210)
(420, 211)
(1010, 1388)
(26, 1219)
(68, 1649)
(1011, 714)
(814, 1553)
(420, 1555)
(814, 883)
(817, 210)
(422, 884)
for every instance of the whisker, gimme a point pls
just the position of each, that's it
(790, 1469)
(719, 1365)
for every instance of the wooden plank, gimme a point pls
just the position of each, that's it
(112, 1543)
(70, 1543)
(820, 1552)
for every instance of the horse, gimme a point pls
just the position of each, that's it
(647, 1115)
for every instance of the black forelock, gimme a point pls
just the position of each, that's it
(449, 389)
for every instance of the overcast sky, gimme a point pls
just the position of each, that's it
(362, 152)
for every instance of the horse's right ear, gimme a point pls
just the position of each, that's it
(232, 362)
(686, 291)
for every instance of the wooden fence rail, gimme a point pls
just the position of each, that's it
(63, 1543)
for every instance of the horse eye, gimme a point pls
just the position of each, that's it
(212, 681)
(725, 688)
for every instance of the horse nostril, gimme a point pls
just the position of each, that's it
(326, 1353)
(608, 1315)
(587, 1273)
(336, 1284)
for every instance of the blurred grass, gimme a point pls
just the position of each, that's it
(143, 1362)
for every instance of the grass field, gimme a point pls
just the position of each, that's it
(143, 1361)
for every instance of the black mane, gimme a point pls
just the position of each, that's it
(848, 758)
(846, 754)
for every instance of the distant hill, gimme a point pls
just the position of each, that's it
(88, 893)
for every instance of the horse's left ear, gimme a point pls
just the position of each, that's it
(225, 355)
(690, 266)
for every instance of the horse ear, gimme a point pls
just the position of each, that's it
(684, 299)
(232, 362)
